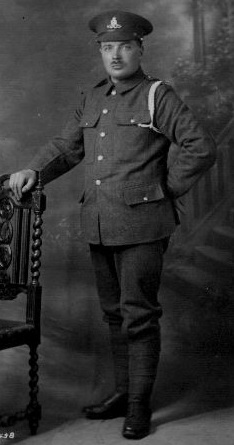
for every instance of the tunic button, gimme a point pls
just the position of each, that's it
(113, 92)
(97, 182)
(102, 134)
(145, 198)
(105, 111)
(100, 157)
(132, 121)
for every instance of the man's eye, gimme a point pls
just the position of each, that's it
(107, 48)
(127, 47)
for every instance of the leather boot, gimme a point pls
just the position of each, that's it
(116, 404)
(143, 363)
(137, 422)
(110, 408)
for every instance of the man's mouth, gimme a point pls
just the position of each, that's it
(117, 65)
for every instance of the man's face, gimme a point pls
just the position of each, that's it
(121, 59)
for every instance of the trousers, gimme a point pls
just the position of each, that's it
(128, 279)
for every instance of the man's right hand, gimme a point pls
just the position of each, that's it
(22, 182)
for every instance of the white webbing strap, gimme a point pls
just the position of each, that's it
(152, 90)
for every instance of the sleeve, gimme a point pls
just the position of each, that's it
(63, 152)
(198, 150)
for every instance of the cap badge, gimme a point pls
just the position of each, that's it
(114, 24)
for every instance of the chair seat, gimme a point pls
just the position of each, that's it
(15, 333)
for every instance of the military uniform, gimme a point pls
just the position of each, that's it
(129, 192)
(128, 211)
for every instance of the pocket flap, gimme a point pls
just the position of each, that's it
(89, 119)
(143, 193)
(132, 117)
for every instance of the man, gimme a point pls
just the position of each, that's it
(127, 212)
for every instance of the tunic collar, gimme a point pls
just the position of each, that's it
(126, 84)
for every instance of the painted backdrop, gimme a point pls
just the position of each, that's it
(46, 53)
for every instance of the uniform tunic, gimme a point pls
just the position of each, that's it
(129, 191)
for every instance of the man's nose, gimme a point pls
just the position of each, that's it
(116, 53)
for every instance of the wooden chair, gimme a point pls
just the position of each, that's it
(17, 220)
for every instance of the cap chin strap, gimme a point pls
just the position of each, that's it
(151, 106)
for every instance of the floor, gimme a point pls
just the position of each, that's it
(193, 401)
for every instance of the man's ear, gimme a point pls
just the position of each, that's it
(142, 49)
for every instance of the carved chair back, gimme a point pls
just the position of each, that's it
(20, 247)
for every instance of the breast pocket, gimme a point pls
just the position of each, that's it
(88, 123)
(131, 139)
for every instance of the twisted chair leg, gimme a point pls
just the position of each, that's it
(33, 408)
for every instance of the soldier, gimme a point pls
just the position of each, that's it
(128, 211)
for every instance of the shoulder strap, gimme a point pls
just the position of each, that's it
(151, 107)
(152, 90)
